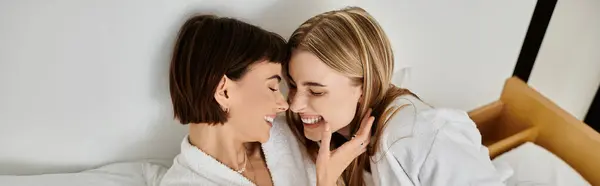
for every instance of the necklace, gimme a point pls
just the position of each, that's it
(241, 170)
(238, 171)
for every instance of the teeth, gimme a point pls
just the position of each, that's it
(269, 119)
(311, 120)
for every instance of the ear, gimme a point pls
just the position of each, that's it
(359, 91)
(221, 92)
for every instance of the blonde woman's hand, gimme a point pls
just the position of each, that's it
(331, 164)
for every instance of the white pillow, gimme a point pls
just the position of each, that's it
(118, 174)
(401, 77)
(534, 165)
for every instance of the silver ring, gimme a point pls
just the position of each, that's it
(353, 136)
(361, 144)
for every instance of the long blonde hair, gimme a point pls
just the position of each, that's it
(351, 42)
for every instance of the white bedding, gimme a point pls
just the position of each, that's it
(531, 165)
(118, 174)
(535, 166)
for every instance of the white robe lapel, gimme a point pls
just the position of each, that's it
(284, 158)
(208, 167)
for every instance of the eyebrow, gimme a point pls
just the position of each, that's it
(314, 84)
(275, 77)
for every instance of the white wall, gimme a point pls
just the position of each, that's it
(461, 52)
(84, 83)
(567, 69)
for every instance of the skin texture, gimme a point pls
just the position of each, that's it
(322, 92)
(248, 101)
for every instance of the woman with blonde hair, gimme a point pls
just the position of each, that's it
(341, 95)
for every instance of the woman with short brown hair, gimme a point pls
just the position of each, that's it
(224, 83)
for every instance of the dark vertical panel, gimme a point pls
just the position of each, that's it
(533, 39)
(593, 116)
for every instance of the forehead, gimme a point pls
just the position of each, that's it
(305, 66)
(263, 69)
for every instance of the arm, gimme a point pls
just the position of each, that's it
(441, 147)
(457, 156)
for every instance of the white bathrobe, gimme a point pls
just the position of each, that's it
(420, 146)
(283, 156)
(425, 146)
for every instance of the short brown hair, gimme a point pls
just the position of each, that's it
(207, 48)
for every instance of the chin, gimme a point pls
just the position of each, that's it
(265, 138)
(312, 136)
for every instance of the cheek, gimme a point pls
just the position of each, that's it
(249, 102)
(337, 110)
(256, 100)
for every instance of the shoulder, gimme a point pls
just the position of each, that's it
(404, 119)
(439, 145)
(413, 118)
(416, 127)
(179, 174)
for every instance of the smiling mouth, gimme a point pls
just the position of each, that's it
(312, 121)
(269, 120)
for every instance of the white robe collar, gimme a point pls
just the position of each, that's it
(283, 157)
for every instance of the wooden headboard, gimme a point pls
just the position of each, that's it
(522, 114)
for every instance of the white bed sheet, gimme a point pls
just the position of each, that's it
(533, 165)
(118, 174)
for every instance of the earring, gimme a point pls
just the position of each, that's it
(226, 110)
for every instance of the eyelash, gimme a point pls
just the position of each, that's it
(272, 89)
(316, 93)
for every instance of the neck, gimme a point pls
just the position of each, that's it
(220, 142)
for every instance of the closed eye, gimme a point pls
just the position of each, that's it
(316, 93)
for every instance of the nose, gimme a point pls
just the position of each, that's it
(282, 105)
(298, 102)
